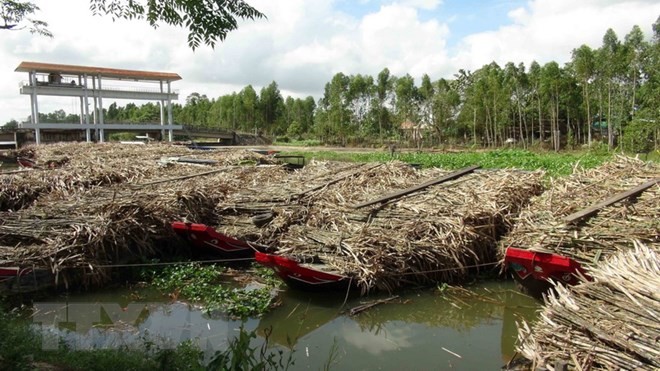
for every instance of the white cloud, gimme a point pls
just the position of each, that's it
(304, 42)
(550, 29)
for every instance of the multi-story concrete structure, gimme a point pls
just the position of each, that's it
(91, 85)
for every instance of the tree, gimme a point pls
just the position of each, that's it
(15, 13)
(207, 21)
(384, 84)
(584, 66)
(610, 53)
(10, 125)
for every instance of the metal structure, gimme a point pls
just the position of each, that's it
(96, 84)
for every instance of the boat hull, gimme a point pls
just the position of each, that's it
(300, 277)
(205, 237)
(534, 271)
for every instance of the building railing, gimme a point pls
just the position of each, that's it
(72, 83)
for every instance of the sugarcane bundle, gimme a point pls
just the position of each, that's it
(542, 227)
(611, 323)
(433, 235)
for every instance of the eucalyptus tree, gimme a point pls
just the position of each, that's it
(551, 76)
(491, 101)
(406, 99)
(426, 93)
(360, 99)
(609, 54)
(634, 49)
(584, 66)
(384, 100)
(337, 106)
(270, 106)
(444, 107)
(535, 85)
(517, 83)
(249, 107)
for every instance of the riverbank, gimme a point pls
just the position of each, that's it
(108, 207)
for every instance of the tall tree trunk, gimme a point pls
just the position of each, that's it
(474, 126)
(610, 132)
(586, 90)
(540, 120)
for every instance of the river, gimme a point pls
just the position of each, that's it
(459, 329)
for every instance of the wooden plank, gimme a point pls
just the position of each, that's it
(591, 210)
(407, 191)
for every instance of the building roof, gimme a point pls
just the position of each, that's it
(104, 72)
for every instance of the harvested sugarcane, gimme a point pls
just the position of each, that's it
(608, 324)
(541, 227)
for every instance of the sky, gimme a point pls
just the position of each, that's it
(303, 43)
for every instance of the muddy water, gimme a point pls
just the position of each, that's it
(422, 329)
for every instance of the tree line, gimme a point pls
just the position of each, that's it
(609, 93)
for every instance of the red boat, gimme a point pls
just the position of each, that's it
(303, 276)
(23, 280)
(25, 162)
(203, 236)
(534, 270)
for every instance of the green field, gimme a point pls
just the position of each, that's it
(555, 164)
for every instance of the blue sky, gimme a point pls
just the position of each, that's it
(303, 43)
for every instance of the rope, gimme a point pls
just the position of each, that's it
(164, 263)
(251, 259)
(443, 270)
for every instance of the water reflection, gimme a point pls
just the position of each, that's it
(464, 329)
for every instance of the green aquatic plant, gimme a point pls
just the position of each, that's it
(209, 286)
(554, 164)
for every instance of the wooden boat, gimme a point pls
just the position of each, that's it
(203, 236)
(303, 276)
(25, 162)
(16, 280)
(534, 270)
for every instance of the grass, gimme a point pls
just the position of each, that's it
(555, 164)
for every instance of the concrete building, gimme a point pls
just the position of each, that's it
(92, 85)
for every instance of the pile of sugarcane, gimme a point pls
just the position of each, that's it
(282, 199)
(541, 225)
(611, 323)
(436, 234)
(72, 229)
(87, 165)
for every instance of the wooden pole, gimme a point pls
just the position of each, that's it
(448, 177)
(591, 210)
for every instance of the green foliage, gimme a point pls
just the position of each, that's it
(242, 355)
(14, 12)
(10, 125)
(207, 20)
(20, 349)
(555, 164)
(17, 343)
(639, 136)
(206, 285)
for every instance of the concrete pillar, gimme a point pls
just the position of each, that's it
(86, 107)
(162, 112)
(170, 121)
(35, 106)
(101, 131)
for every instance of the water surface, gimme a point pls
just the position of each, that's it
(466, 329)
